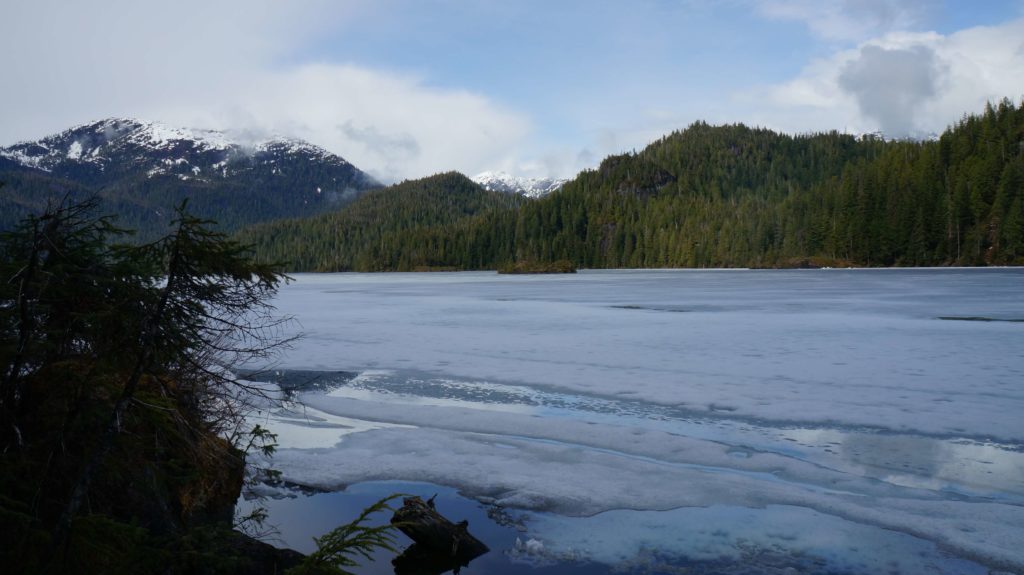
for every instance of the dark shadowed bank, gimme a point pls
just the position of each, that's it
(300, 515)
(122, 439)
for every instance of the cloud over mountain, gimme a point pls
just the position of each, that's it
(405, 88)
(890, 85)
(239, 66)
(903, 83)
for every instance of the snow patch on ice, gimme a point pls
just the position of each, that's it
(851, 410)
(757, 538)
(575, 480)
(299, 426)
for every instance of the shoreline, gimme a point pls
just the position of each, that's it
(523, 541)
(301, 513)
(709, 269)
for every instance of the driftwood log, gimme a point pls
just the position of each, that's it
(437, 542)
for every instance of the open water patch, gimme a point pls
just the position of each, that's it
(715, 540)
(297, 516)
(673, 309)
(980, 318)
(293, 381)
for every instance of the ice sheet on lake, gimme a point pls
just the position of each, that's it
(856, 347)
(575, 468)
(296, 425)
(767, 540)
(835, 399)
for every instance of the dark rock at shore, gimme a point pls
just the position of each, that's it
(263, 558)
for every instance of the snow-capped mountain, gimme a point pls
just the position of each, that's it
(144, 169)
(117, 147)
(916, 136)
(529, 187)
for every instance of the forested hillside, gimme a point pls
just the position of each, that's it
(706, 196)
(404, 227)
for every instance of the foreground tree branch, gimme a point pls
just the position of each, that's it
(204, 308)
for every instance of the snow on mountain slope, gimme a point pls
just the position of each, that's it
(143, 170)
(118, 147)
(529, 187)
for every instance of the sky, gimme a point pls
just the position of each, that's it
(408, 88)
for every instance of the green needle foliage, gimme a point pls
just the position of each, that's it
(706, 196)
(409, 226)
(122, 433)
(345, 546)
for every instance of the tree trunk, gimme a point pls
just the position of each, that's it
(437, 540)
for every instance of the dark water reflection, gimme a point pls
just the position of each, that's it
(300, 518)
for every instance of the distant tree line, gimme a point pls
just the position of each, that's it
(706, 196)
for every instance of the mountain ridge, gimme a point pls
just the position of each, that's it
(88, 143)
(729, 196)
(143, 169)
(498, 181)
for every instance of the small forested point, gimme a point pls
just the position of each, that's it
(122, 431)
(533, 267)
(706, 196)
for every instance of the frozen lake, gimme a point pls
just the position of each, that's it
(852, 421)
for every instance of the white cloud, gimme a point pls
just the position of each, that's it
(269, 66)
(855, 20)
(238, 65)
(391, 124)
(891, 84)
(899, 83)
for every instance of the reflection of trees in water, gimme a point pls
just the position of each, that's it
(901, 453)
(419, 560)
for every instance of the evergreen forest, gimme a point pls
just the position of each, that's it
(124, 437)
(706, 196)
